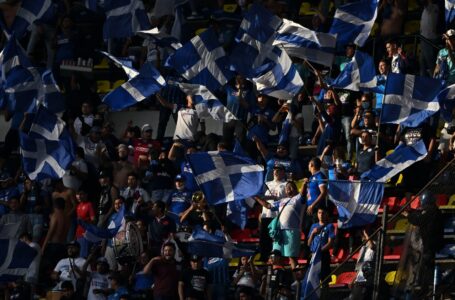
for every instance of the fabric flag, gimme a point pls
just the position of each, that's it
(146, 83)
(353, 22)
(42, 158)
(15, 259)
(358, 74)
(402, 157)
(129, 71)
(409, 99)
(161, 39)
(203, 243)
(202, 61)
(449, 11)
(124, 18)
(310, 284)
(285, 129)
(91, 4)
(298, 41)
(206, 103)
(280, 79)
(95, 234)
(254, 41)
(47, 125)
(357, 202)
(446, 100)
(29, 12)
(226, 176)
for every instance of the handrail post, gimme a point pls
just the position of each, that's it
(380, 255)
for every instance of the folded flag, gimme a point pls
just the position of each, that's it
(203, 243)
(353, 22)
(359, 74)
(124, 18)
(162, 39)
(409, 100)
(15, 259)
(401, 158)
(310, 284)
(298, 41)
(95, 234)
(146, 83)
(225, 176)
(357, 202)
(202, 61)
(206, 103)
(446, 99)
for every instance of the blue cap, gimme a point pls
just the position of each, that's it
(179, 177)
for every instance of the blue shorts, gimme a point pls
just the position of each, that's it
(290, 244)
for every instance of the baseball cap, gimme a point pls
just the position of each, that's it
(146, 127)
(95, 129)
(450, 33)
(74, 243)
(194, 257)
(102, 260)
(278, 167)
(179, 177)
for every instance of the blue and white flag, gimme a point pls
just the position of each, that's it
(409, 99)
(124, 18)
(95, 234)
(203, 243)
(353, 22)
(402, 157)
(29, 12)
(298, 41)
(310, 284)
(357, 202)
(280, 79)
(446, 100)
(129, 71)
(207, 104)
(91, 4)
(161, 39)
(285, 129)
(254, 41)
(47, 125)
(43, 159)
(13, 56)
(237, 211)
(359, 74)
(146, 83)
(202, 61)
(15, 259)
(225, 176)
(449, 11)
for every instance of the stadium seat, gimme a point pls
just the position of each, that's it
(117, 83)
(401, 225)
(441, 199)
(393, 253)
(104, 64)
(230, 8)
(390, 277)
(344, 279)
(305, 9)
(199, 31)
(103, 86)
(412, 27)
(391, 203)
(333, 279)
(450, 204)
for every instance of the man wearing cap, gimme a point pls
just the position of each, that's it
(194, 282)
(445, 67)
(179, 200)
(143, 145)
(98, 279)
(94, 148)
(69, 269)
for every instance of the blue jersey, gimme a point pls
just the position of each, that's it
(178, 202)
(323, 236)
(316, 180)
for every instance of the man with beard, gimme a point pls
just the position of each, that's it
(108, 193)
(164, 271)
(122, 167)
(194, 281)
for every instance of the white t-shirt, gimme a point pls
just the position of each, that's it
(78, 123)
(91, 149)
(290, 217)
(98, 281)
(366, 254)
(187, 124)
(277, 189)
(71, 181)
(65, 270)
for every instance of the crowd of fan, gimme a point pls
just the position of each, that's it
(152, 178)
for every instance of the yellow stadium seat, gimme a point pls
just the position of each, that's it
(118, 83)
(103, 86)
(411, 27)
(230, 8)
(333, 279)
(104, 64)
(305, 9)
(374, 29)
(390, 277)
(200, 30)
(401, 225)
(450, 204)
(234, 262)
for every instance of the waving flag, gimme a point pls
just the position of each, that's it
(162, 39)
(42, 158)
(310, 284)
(449, 11)
(47, 125)
(15, 259)
(225, 176)
(280, 79)
(95, 234)
(203, 243)
(202, 61)
(254, 41)
(298, 41)
(146, 83)
(446, 100)
(29, 12)
(124, 18)
(129, 71)
(285, 129)
(357, 202)
(353, 22)
(409, 99)
(358, 74)
(402, 157)
(206, 103)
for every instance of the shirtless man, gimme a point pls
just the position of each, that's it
(54, 245)
(122, 167)
(60, 191)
